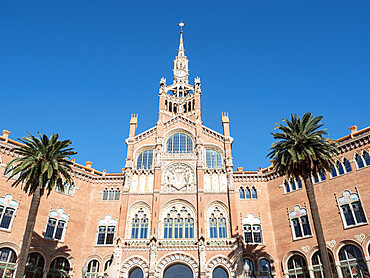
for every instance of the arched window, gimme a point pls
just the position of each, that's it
(35, 265)
(351, 209)
(297, 267)
(174, 270)
(92, 269)
(319, 177)
(341, 168)
(217, 224)
(59, 268)
(264, 268)
(241, 193)
(140, 223)
(8, 259)
(252, 231)
(362, 160)
(117, 194)
(106, 230)
(57, 223)
(68, 189)
(178, 223)
(136, 273)
(107, 264)
(213, 159)
(317, 265)
(352, 262)
(219, 272)
(145, 160)
(111, 194)
(179, 143)
(249, 268)
(247, 193)
(299, 222)
(254, 192)
(8, 208)
(292, 185)
(105, 194)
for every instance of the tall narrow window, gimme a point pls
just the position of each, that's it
(117, 194)
(92, 269)
(111, 194)
(221, 226)
(249, 267)
(254, 193)
(217, 224)
(351, 209)
(241, 193)
(247, 193)
(57, 222)
(145, 160)
(106, 230)
(213, 226)
(299, 222)
(144, 227)
(264, 268)
(140, 224)
(359, 161)
(8, 207)
(213, 159)
(179, 143)
(105, 194)
(189, 227)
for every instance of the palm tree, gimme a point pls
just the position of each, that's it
(302, 151)
(43, 164)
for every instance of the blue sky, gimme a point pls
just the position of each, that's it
(80, 68)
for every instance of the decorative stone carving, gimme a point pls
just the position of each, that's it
(178, 177)
(177, 258)
(360, 238)
(305, 248)
(215, 182)
(222, 261)
(135, 262)
(331, 243)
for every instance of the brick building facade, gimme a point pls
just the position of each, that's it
(178, 206)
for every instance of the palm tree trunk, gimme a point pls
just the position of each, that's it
(26, 243)
(318, 228)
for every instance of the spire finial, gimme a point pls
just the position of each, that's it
(181, 24)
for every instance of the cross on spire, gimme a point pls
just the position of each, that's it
(181, 24)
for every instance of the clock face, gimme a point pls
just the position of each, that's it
(180, 73)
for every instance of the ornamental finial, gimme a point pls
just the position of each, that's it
(181, 24)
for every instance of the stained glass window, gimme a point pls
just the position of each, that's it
(351, 209)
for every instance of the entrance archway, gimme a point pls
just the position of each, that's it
(178, 271)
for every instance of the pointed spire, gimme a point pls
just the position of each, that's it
(181, 51)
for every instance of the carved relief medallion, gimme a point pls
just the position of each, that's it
(178, 177)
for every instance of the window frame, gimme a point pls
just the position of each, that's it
(214, 157)
(60, 217)
(296, 216)
(107, 222)
(93, 274)
(179, 144)
(348, 199)
(340, 166)
(7, 202)
(149, 165)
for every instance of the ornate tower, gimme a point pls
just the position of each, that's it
(180, 98)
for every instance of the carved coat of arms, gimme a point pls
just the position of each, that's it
(178, 177)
